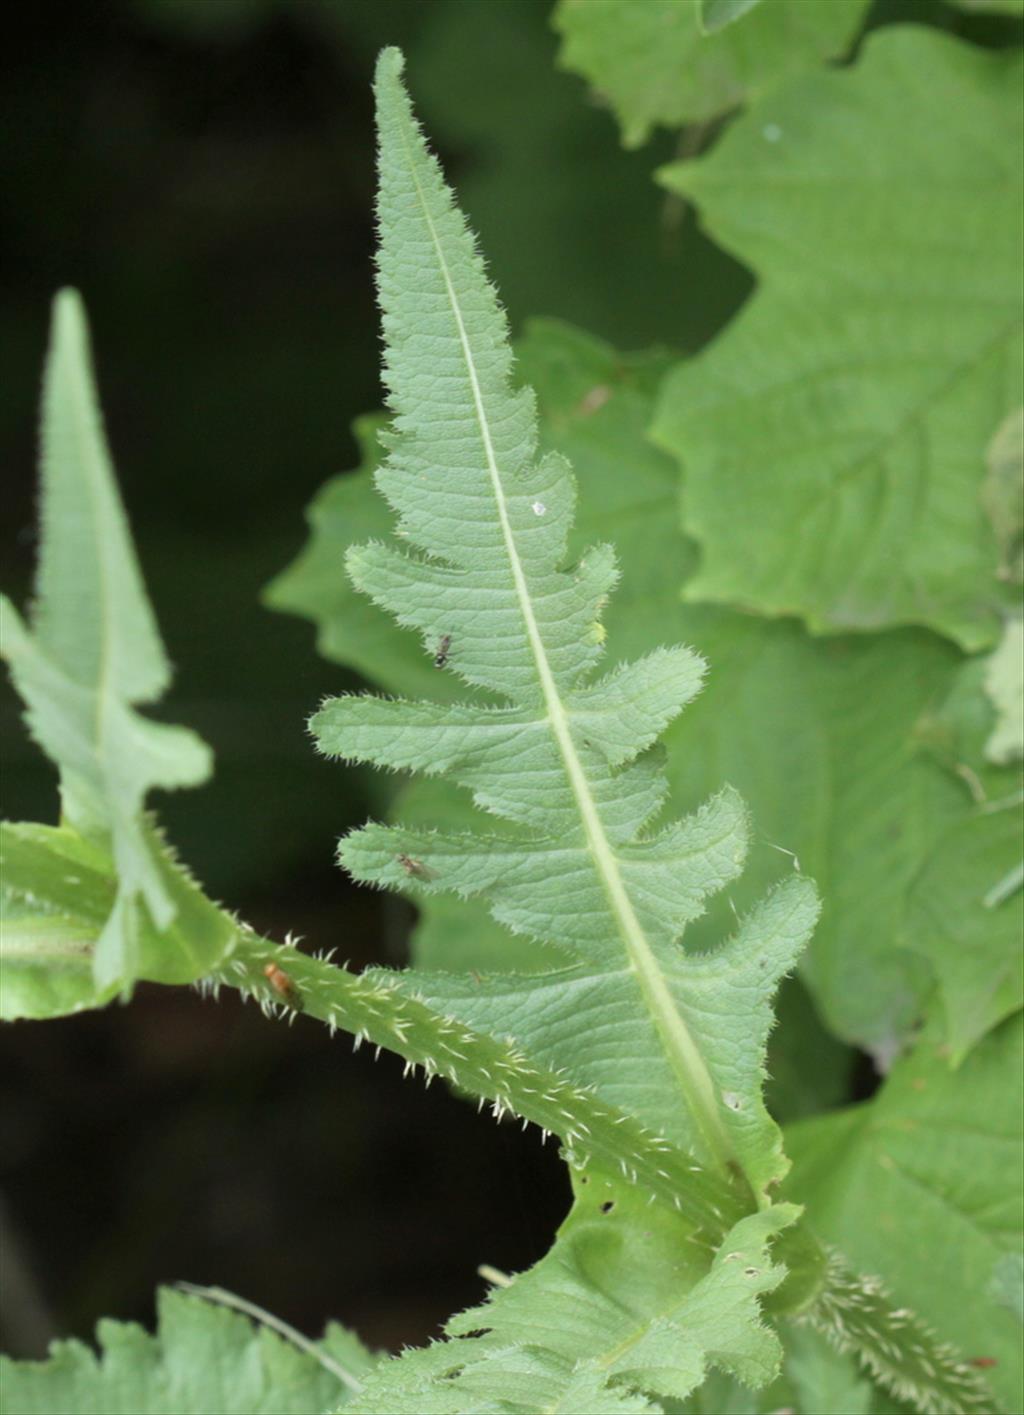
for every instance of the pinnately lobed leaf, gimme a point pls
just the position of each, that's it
(565, 759)
(568, 764)
(202, 1358)
(92, 652)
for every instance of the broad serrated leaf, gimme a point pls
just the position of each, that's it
(203, 1360)
(624, 1306)
(90, 654)
(656, 65)
(562, 757)
(923, 1185)
(833, 438)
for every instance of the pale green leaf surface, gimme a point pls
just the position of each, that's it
(92, 651)
(1004, 683)
(655, 65)
(922, 1184)
(566, 759)
(623, 1302)
(833, 438)
(1002, 494)
(57, 890)
(203, 1360)
(716, 14)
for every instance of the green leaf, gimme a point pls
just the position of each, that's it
(57, 890)
(564, 758)
(203, 1360)
(93, 651)
(971, 936)
(623, 1303)
(655, 65)
(923, 1185)
(833, 437)
(716, 14)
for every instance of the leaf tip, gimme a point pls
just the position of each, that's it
(390, 65)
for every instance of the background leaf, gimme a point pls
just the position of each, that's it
(655, 66)
(833, 438)
(922, 1184)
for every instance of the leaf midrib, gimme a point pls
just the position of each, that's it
(682, 1051)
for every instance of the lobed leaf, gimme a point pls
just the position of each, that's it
(623, 1310)
(90, 654)
(562, 757)
(204, 1357)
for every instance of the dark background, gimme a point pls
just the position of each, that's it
(203, 171)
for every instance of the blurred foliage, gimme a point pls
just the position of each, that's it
(665, 63)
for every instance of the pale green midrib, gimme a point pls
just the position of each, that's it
(683, 1054)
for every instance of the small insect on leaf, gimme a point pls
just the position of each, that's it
(283, 986)
(444, 644)
(415, 868)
